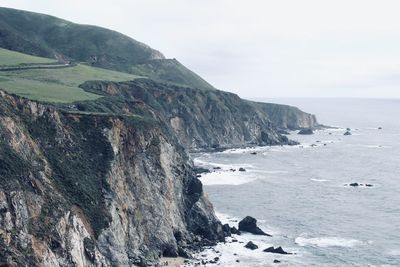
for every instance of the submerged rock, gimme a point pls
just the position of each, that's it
(253, 153)
(251, 245)
(359, 184)
(249, 224)
(277, 261)
(306, 132)
(278, 250)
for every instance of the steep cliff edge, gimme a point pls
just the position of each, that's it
(287, 117)
(201, 119)
(94, 190)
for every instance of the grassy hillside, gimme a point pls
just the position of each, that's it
(171, 71)
(47, 36)
(8, 57)
(51, 37)
(53, 85)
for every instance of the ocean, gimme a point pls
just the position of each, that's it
(300, 194)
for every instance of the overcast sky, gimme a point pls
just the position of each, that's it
(260, 48)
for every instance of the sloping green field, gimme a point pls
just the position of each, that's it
(56, 85)
(8, 57)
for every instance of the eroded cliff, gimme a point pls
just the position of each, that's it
(202, 119)
(94, 190)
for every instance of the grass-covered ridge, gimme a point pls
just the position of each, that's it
(12, 58)
(53, 85)
(171, 71)
(48, 36)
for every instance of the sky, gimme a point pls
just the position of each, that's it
(260, 48)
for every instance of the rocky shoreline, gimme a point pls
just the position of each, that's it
(212, 255)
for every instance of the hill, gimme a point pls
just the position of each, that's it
(58, 85)
(47, 36)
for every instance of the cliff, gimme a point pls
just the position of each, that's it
(287, 117)
(94, 190)
(201, 119)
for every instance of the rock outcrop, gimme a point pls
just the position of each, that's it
(307, 131)
(278, 250)
(251, 245)
(249, 224)
(288, 117)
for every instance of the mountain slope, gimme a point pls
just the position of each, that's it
(47, 36)
(51, 37)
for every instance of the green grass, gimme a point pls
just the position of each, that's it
(57, 85)
(11, 58)
(171, 71)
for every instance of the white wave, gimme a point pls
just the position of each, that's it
(245, 150)
(324, 242)
(319, 180)
(375, 146)
(203, 163)
(393, 252)
(226, 178)
(270, 172)
(334, 130)
(226, 218)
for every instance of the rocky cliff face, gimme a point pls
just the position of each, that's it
(94, 190)
(287, 117)
(206, 119)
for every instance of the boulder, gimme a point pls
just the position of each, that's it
(251, 245)
(249, 224)
(354, 184)
(227, 229)
(277, 261)
(306, 131)
(235, 231)
(253, 153)
(278, 250)
(347, 133)
(242, 169)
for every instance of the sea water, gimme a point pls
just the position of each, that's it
(300, 194)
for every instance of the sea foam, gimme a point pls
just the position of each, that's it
(325, 242)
